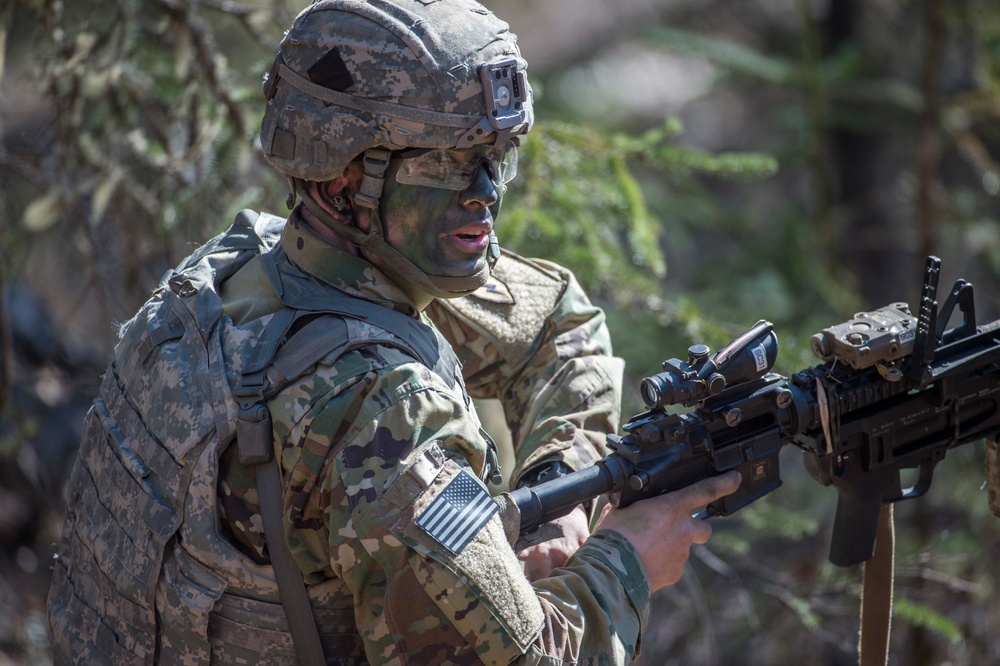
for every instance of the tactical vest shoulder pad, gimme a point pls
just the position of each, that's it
(510, 309)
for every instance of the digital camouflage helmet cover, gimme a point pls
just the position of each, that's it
(356, 78)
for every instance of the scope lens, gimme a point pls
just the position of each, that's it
(651, 389)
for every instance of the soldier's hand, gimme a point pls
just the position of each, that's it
(539, 560)
(662, 529)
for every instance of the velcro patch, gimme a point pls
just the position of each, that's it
(495, 291)
(331, 72)
(513, 306)
(456, 515)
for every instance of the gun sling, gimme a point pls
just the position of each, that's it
(876, 595)
(993, 475)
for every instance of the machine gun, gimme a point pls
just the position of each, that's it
(895, 392)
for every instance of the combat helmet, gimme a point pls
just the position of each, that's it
(355, 78)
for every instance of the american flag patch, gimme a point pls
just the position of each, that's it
(458, 513)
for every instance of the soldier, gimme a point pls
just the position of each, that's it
(397, 125)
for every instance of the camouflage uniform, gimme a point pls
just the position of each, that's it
(367, 444)
(406, 557)
(559, 386)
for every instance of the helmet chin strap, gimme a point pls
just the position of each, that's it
(386, 257)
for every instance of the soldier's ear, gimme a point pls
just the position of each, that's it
(340, 186)
(347, 183)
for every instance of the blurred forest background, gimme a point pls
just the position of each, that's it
(700, 164)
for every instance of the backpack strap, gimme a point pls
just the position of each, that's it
(298, 290)
(273, 366)
(256, 449)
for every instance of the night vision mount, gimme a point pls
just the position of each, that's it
(891, 337)
(508, 98)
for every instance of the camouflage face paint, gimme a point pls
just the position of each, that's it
(444, 232)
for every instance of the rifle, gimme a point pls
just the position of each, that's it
(894, 392)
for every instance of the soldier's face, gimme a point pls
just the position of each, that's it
(443, 231)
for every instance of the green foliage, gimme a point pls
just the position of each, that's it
(153, 139)
(578, 202)
(24, 429)
(575, 203)
(805, 610)
(920, 615)
(151, 150)
(653, 147)
(734, 57)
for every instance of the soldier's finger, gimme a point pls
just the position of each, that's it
(701, 531)
(707, 490)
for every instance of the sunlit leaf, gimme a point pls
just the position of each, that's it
(44, 211)
(103, 193)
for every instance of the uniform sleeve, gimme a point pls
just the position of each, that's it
(532, 339)
(425, 550)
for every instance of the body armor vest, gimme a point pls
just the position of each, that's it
(144, 574)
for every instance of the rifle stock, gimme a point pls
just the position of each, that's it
(895, 392)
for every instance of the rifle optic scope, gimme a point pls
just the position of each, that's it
(748, 357)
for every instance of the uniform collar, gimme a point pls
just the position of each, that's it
(340, 269)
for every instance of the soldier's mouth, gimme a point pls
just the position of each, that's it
(472, 238)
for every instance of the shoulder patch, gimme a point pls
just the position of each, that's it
(456, 515)
(512, 306)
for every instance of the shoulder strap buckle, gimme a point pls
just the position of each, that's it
(254, 438)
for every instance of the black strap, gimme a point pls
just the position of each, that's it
(321, 337)
(298, 290)
(291, 587)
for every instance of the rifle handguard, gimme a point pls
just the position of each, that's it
(554, 499)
